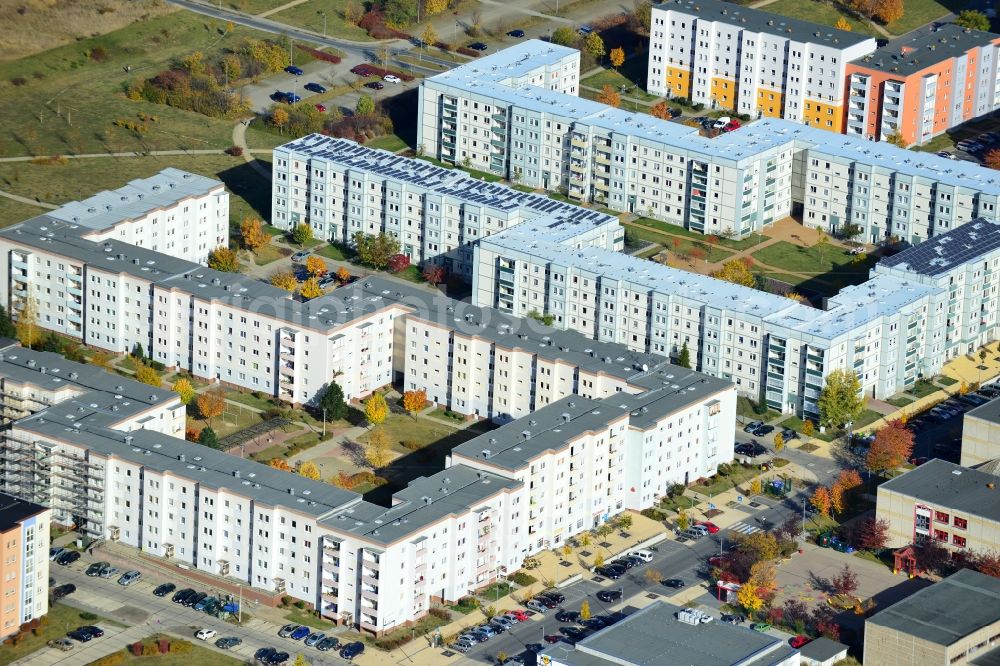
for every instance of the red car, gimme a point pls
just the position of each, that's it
(917, 462)
(716, 560)
(711, 527)
(321, 108)
(553, 638)
(732, 125)
(363, 70)
(517, 614)
(798, 641)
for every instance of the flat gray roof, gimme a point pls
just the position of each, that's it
(654, 636)
(758, 20)
(924, 48)
(947, 611)
(668, 388)
(947, 485)
(822, 649)
(941, 253)
(991, 658)
(14, 510)
(136, 199)
(987, 412)
(101, 398)
(200, 464)
(425, 501)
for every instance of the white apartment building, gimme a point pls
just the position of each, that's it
(751, 61)
(109, 458)
(920, 308)
(341, 188)
(731, 185)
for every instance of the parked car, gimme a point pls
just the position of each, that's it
(228, 642)
(536, 606)
(486, 629)
(674, 112)
(463, 644)
(516, 33)
(321, 108)
(503, 621)
(608, 596)
(798, 641)
(788, 435)
(314, 638)
(193, 599)
(945, 153)
(751, 427)
(392, 78)
(63, 644)
(54, 553)
(644, 555)
(95, 632)
(264, 654)
(301, 255)
(68, 558)
(205, 603)
(553, 638)
(585, 30)
(352, 650)
(720, 123)
(299, 633)
(63, 591)
(597, 622)
(573, 633)
(292, 98)
(478, 46)
(108, 571)
(327, 644)
(731, 125)
(95, 568)
(760, 626)
(675, 583)
(314, 87)
(164, 589)
(547, 602)
(710, 526)
(129, 577)
(278, 658)
(205, 634)
(375, 85)
(80, 635)
(608, 572)
(182, 594)
(517, 614)
(568, 616)
(764, 430)
(731, 618)
(292, 69)
(555, 596)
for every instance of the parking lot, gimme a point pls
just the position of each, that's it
(137, 605)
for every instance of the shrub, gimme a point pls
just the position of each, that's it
(465, 50)
(113, 659)
(320, 55)
(156, 365)
(18, 81)
(411, 445)
(235, 151)
(523, 579)
(179, 647)
(98, 54)
(300, 604)
(398, 262)
(440, 613)
(89, 617)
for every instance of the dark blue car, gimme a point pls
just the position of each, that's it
(292, 69)
(300, 633)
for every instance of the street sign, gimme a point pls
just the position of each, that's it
(711, 506)
(739, 498)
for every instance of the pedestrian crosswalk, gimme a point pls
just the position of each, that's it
(743, 528)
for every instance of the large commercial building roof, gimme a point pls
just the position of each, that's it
(924, 48)
(988, 412)
(756, 20)
(944, 484)
(941, 253)
(947, 611)
(654, 636)
(14, 511)
(136, 199)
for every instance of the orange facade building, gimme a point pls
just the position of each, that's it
(24, 562)
(923, 84)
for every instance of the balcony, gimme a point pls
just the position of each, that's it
(602, 158)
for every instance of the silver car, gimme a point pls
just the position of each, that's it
(129, 577)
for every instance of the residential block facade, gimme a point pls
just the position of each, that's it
(752, 62)
(923, 84)
(24, 563)
(733, 185)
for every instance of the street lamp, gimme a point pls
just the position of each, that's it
(324, 23)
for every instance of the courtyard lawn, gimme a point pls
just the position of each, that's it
(420, 431)
(920, 12)
(389, 142)
(12, 212)
(675, 230)
(820, 11)
(270, 253)
(60, 619)
(684, 246)
(796, 424)
(900, 400)
(824, 270)
(196, 656)
(232, 420)
(754, 411)
(632, 75)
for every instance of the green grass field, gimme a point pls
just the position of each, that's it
(309, 15)
(78, 179)
(423, 431)
(60, 619)
(197, 656)
(12, 212)
(68, 101)
(631, 74)
(820, 11)
(824, 270)
(918, 12)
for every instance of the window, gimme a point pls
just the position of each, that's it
(940, 517)
(958, 541)
(941, 535)
(961, 523)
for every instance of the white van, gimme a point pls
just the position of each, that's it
(644, 555)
